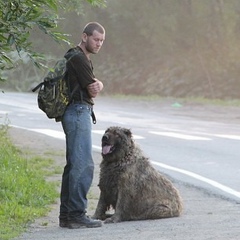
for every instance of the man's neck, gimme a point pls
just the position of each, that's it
(82, 46)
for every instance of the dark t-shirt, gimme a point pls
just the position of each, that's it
(80, 72)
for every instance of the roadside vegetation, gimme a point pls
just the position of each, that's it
(182, 101)
(187, 48)
(20, 19)
(24, 193)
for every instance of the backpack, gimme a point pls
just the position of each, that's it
(54, 94)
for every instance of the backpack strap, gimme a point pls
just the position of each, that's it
(37, 87)
(42, 83)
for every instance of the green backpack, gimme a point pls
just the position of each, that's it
(54, 94)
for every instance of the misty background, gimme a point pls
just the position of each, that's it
(170, 48)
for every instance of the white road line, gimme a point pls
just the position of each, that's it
(228, 136)
(60, 135)
(99, 149)
(51, 133)
(181, 136)
(48, 132)
(234, 137)
(101, 132)
(199, 177)
(3, 112)
(137, 137)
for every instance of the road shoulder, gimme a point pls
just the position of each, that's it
(205, 216)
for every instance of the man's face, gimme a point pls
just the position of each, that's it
(94, 42)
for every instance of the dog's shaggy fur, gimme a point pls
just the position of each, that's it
(130, 185)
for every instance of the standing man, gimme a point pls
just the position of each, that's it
(76, 122)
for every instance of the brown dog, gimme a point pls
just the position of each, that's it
(130, 185)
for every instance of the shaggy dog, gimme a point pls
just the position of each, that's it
(130, 185)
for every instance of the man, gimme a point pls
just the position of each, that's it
(76, 122)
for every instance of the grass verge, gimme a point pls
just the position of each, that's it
(24, 193)
(189, 100)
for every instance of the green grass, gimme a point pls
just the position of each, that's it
(216, 102)
(24, 193)
(188, 100)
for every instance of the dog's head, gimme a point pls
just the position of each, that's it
(116, 141)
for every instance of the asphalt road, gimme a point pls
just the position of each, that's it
(205, 217)
(196, 146)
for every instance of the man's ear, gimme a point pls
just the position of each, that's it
(84, 37)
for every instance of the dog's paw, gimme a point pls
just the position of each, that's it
(99, 217)
(109, 220)
(113, 219)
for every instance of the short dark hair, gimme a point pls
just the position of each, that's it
(92, 26)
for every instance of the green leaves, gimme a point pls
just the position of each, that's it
(99, 3)
(19, 17)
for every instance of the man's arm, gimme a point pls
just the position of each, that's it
(95, 88)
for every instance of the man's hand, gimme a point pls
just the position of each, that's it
(95, 88)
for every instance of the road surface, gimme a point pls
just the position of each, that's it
(196, 146)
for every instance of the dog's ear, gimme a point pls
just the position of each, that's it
(128, 132)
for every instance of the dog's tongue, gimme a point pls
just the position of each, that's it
(106, 149)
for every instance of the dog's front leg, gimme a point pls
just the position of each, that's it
(100, 212)
(117, 216)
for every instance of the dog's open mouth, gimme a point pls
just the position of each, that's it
(107, 149)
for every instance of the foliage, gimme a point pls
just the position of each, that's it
(19, 17)
(24, 193)
(171, 48)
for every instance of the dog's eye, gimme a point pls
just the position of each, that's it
(117, 135)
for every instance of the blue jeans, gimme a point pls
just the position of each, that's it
(78, 172)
